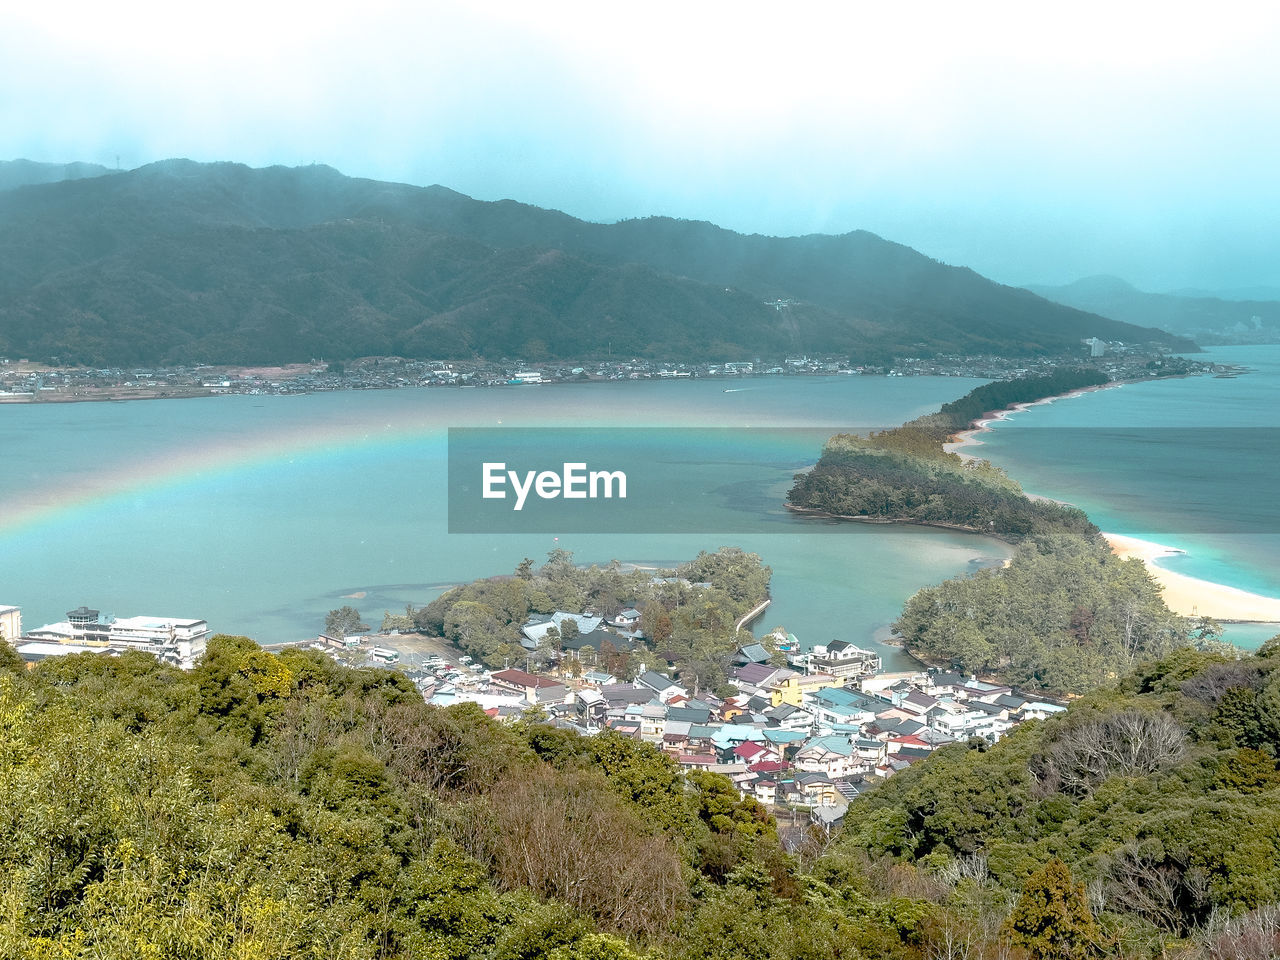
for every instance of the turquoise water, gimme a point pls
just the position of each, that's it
(260, 514)
(1191, 463)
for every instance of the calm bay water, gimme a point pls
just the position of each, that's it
(1191, 463)
(262, 513)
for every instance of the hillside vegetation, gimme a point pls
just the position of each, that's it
(278, 806)
(1157, 798)
(281, 806)
(180, 262)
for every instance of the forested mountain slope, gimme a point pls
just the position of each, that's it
(181, 262)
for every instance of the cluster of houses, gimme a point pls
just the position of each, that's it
(814, 733)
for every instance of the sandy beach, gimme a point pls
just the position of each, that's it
(1196, 598)
(969, 438)
(1185, 595)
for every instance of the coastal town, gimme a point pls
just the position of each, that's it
(22, 381)
(806, 729)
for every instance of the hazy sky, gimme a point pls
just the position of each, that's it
(1032, 142)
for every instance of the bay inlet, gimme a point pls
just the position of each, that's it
(260, 514)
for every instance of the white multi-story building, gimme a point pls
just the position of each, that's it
(180, 642)
(844, 660)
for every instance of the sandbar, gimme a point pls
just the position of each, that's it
(1192, 597)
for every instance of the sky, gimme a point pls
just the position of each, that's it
(1035, 143)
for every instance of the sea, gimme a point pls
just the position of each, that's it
(1192, 463)
(262, 513)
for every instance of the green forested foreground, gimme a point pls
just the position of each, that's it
(283, 806)
(1143, 822)
(1066, 615)
(691, 627)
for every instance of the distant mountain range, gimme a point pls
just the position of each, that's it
(22, 173)
(1208, 319)
(184, 262)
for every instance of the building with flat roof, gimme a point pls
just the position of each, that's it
(180, 642)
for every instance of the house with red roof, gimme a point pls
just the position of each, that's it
(753, 752)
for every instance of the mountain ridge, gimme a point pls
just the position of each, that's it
(23, 173)
(1210, 319)
(187, 262)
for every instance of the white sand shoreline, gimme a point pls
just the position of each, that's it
(1185, 595)
(1192, 597)
(969, 438)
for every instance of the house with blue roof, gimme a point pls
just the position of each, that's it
(537, 627)
(840, 706)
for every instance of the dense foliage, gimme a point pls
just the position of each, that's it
(688, 626)
(906, 474)
(179, 262)
(1000, 394)
(279, 805)
(1065, 614)
(282, 806)
(1157, 798)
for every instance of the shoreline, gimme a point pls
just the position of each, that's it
(1190, 596)
(1185, 595)
(969, 436)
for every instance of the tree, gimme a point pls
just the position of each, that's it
(1125, 743)
(547, 650)
(343, 622)
(9, 659)
(402, 622)
(1206, 628)
(1249, 771)
(1051, 919)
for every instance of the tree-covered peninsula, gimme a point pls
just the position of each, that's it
(907, 475)
(1064, 615)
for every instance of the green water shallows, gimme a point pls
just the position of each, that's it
(1190, 463)
(262, 513)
